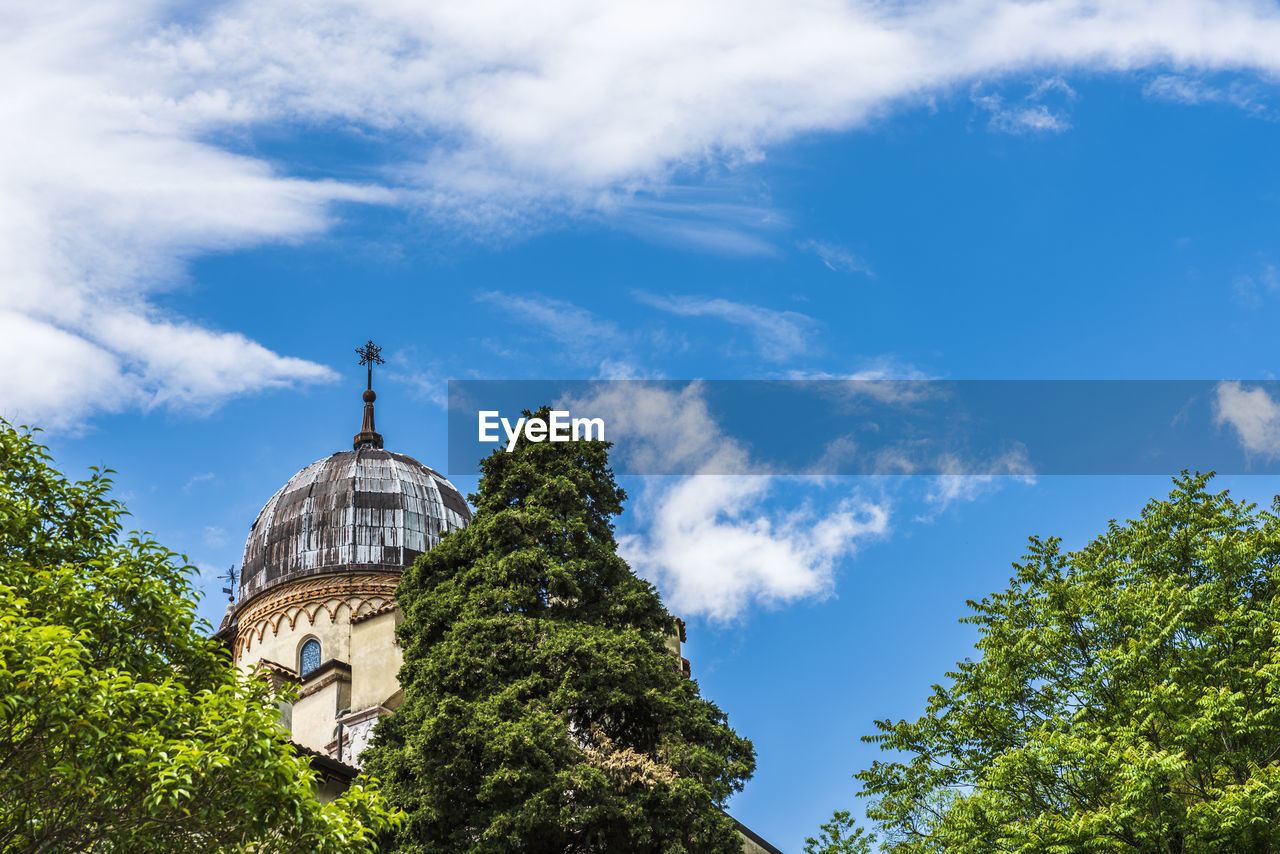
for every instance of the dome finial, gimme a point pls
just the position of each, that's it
(368, 437)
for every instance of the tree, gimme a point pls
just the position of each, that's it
(1127, 698)
(841, 835)
(542, 710)
(123, 728)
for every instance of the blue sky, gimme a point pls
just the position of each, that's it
(206, 209)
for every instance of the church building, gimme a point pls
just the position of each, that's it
(316, 605)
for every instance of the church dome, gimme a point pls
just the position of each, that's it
(358, 510)
(355, 510)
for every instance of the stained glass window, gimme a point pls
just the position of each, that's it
(310, 657)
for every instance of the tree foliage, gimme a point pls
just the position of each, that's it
(543, 711)
(122, 727)
(841, 835)
(1127, 698)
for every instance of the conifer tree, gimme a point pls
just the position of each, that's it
(542, 710)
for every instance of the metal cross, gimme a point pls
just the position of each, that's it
(370, 354)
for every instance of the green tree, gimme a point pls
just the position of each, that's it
(1127, 698)
(841, 835)
(543, 711)
(123, 728)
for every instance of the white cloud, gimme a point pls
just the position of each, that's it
(886, 366)
(568, 324)
(960, 483)
(121, 129)
(1052, 85)
(1031, 119)
(1183, 89)
(1030, 114)
(715, 542)
(583, 338)
(721, 540)
(430, 384)
(185, 365)
(60, 368)
(722, 218)
(52, 377)
(886, 379)
(714, 548)
(836, 258)
(1252, 413)
(195, 479)
(669, 431)
(572, 98)
(622, 369)
(602, 348)
(778, 335)
(106, 187)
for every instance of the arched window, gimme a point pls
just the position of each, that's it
(309, 657)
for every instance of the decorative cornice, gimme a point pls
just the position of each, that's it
(335, 580)
(355, 594)
(376, 612)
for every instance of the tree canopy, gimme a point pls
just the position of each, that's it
(841, 835)
(123, 727)
(542, 708)
(1126, 698)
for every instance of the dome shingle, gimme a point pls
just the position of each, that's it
(355, 510)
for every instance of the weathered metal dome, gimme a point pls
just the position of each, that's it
(356, 510)
(363, 509)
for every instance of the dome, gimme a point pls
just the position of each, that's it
(365, 509)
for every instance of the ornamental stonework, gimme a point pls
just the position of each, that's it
(352, 596)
